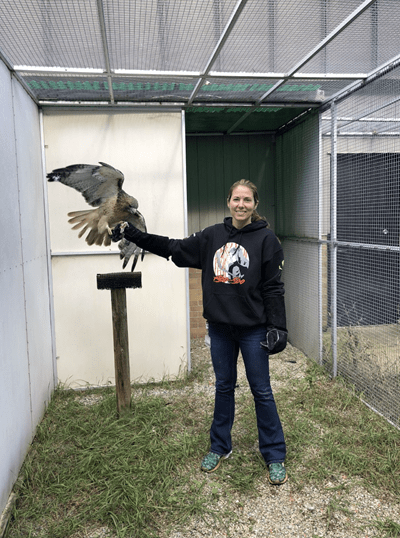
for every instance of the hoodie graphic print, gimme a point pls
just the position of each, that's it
(230, 264)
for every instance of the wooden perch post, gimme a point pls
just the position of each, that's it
(117, 283)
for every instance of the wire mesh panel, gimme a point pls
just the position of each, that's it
(273, 32)
(368, 331)
(52, 34)
(362, 338)
(298, 192)
(69, 87)
(209, 51)
(164, 35)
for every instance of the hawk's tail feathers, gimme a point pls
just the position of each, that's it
(80, 217)
(84, 220)
(83, 229)
(93, 238)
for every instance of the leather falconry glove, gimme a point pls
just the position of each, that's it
(276, 336)
(275, 341)
(157, 244)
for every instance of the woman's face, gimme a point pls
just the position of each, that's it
(241, 205)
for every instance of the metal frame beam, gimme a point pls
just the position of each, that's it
(172, 105)
(373, 134)
(355, 120)
(133, 73)
(225, 34)
(20, 79)
(100, 10)
(333, 236)
(59, 70)
(332, 35)
(364, 119)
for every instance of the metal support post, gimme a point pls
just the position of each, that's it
(333, 236)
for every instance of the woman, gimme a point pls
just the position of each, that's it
(241, 261)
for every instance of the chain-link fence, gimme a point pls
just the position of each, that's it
(339, 217)
(361, 142)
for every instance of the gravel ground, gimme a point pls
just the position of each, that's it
(339, 508)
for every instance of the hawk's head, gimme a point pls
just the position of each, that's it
(131, 205)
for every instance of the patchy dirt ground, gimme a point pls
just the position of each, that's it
(339, 508)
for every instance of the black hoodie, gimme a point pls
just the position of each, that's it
(241, 273)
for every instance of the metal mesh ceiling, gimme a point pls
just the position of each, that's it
(373, 110)
(186, 53)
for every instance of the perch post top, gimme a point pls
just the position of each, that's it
(114, 281)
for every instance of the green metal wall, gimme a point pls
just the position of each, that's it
(298, 202)
(215, 162)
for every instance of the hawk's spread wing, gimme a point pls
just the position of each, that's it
(96, 183)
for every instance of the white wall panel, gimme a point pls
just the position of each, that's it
(10, 242)
(297, 180)
(156, 324)
(147, 148)
(301, 288)
(27, 376)
(15, 418)
(34, 250)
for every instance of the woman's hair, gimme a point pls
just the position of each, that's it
(246, 183)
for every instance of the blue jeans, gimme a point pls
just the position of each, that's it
(226, 340)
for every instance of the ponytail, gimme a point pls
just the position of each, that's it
(255, 217)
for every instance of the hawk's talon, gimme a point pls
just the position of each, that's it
(122, 227)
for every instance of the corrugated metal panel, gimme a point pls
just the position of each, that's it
(214, 163)
(220, 119)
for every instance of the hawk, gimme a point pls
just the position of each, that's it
(101, 186)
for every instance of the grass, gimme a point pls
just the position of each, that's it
(138, 476)
(330, 431)
(367, 356)
(388, 529)
(86, 466)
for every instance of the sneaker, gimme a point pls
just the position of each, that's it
(212, 461)
(277, 473)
